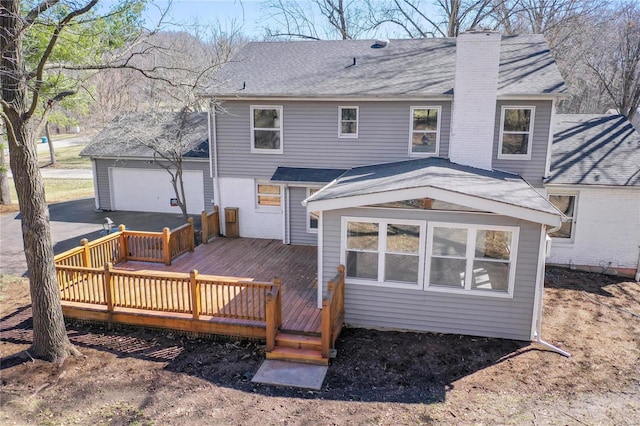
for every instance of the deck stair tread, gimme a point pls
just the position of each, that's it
(298, 341)
(310, 356)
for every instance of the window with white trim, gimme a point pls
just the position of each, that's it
(348, 116)
(312, 220)
(477, 259)
(266, 129)
(516, 132)
(566, 204)
(425, 131)
(383, 251)
(268, 195)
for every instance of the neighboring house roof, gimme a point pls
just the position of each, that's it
(408, 68)
(594, 149)
(437, 178)
(306, 175)
(130, 135)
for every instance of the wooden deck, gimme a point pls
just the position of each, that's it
(257, 260)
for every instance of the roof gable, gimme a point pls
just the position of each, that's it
(352, 68)
(594, 149)
(437, 178)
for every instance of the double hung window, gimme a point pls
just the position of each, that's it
(516, 132)
(266, 129)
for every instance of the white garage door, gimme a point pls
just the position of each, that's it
(151, 190)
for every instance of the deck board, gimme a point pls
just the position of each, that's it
(257, 260)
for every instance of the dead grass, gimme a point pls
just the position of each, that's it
(66, 158)
(56, 190)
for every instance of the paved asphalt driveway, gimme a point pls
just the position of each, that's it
(70, 222)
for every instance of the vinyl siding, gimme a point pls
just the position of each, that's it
(103, 185)
(372, 306)
(532, 170)
(298, 218)
(310, 136)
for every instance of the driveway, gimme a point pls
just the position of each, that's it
(70, 222)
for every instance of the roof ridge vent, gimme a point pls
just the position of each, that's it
(380, 43)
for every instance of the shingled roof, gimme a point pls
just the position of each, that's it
(407, 68)
(131, 134)
(593, 149)
(506, 193)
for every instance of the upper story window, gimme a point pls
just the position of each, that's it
(477, 259)
(425, 131)
(268, 195)
(266, 129)
(348, 127)
(516, 132)
(567, 205)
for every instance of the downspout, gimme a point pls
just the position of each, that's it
(213, 136)
(320, 257)
(638, 267)
(537, 304)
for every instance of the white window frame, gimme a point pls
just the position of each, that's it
(348, 135)
(526, 156)
(570, 240)
(470, 257)
(255, 150)
(411, 132)
(311, 230)
(382, 244)
(257, 194)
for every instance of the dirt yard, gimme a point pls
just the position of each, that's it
(133, 377)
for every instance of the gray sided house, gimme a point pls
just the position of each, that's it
(595, 181)
(418, 164)
(127, 174)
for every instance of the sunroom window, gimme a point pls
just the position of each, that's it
(384, 251)
(476, 259)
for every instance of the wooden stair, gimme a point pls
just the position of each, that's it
(296, 347)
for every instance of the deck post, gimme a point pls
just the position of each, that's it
(205, 227)
(278, 302)
(326, 326)
(196, 302)
(86, 254)
(108, 287)
(192, 244)
(166, 250)
(216, 224)
(341, 270)
(123, 243)
(270, 314)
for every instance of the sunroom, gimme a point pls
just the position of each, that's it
(434, 246)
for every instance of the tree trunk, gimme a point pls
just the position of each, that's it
(52, 152)
(5, 192)
(50, 341)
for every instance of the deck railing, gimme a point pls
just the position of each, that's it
(181, 240)
(332, 312)
(210, 224)
(160, 247)
(169, 293)
(273, 308)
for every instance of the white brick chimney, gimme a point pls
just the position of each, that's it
(474, 98)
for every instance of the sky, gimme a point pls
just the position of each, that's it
(245, 15)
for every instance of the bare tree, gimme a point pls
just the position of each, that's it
(24, 83)
(614, 58)
(442, 18)
(337, 19)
